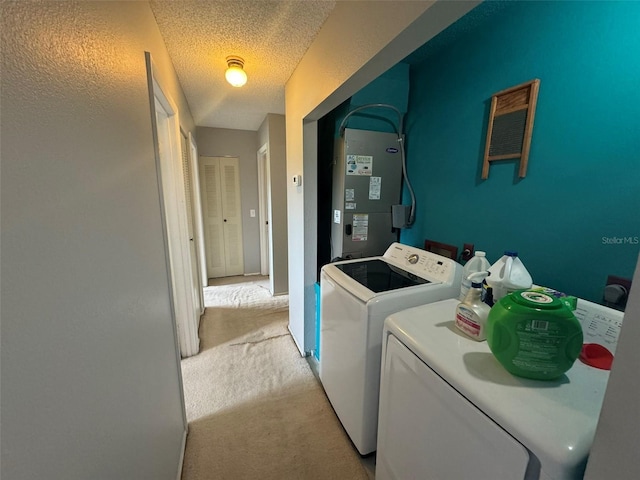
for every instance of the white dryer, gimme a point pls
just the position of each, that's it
(449, 410)
(355, 298)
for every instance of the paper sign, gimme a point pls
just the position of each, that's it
(359, 165)
(349, 195)
(600, 324)
(374, 188)
(360, 227)
(350, 206)
(336, 216)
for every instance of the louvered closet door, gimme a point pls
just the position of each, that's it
(212, 212)
(232, 218)
(222, 216)
(193, 251)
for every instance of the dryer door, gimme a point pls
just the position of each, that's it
(426, 429)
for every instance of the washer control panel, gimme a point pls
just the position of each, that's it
(431, 266)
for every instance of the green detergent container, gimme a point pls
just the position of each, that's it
(533, 335)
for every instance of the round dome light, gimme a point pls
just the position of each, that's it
(235, 74)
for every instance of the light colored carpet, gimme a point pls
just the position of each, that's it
(254, 407)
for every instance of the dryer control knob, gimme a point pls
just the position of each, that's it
(413, 258)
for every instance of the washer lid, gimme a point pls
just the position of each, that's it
(380, 276)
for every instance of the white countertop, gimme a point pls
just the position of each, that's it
(556, 420)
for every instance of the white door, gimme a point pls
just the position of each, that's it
(220, 188)
(197, 215)
(189, 202)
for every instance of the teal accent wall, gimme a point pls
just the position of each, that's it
(575, 218)
(392, 88)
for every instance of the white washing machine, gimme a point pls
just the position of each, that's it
(449, 410)
(355, 298)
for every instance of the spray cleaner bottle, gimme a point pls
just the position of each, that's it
(478, 263)
(472, 312)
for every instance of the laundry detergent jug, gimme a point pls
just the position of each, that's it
(533, 335)
(508, 275)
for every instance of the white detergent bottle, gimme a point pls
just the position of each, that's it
(472, 313)
(508, 275)
(478, 263)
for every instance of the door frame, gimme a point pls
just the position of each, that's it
(173, 208)
(264, 208)
(152, 87)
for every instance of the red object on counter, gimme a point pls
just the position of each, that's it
(596, 356)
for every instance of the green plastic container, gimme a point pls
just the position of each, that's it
(534, 335)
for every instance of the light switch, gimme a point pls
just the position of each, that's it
(252, 213)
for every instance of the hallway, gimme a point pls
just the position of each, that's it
(254, 407)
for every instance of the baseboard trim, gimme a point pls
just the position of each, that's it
(251, 274)
(302, 352)
(182, 452)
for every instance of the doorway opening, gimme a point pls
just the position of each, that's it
(264, 207)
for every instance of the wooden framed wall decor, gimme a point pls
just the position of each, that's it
(511, 125)
(449, 251)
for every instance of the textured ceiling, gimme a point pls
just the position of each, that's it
(271, 36)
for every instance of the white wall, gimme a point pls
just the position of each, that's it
(358, 42)
(91, 386)
(273, 133)
(243, 144)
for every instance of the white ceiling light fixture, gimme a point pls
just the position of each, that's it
(235, 74)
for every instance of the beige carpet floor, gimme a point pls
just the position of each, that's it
(254, 407)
